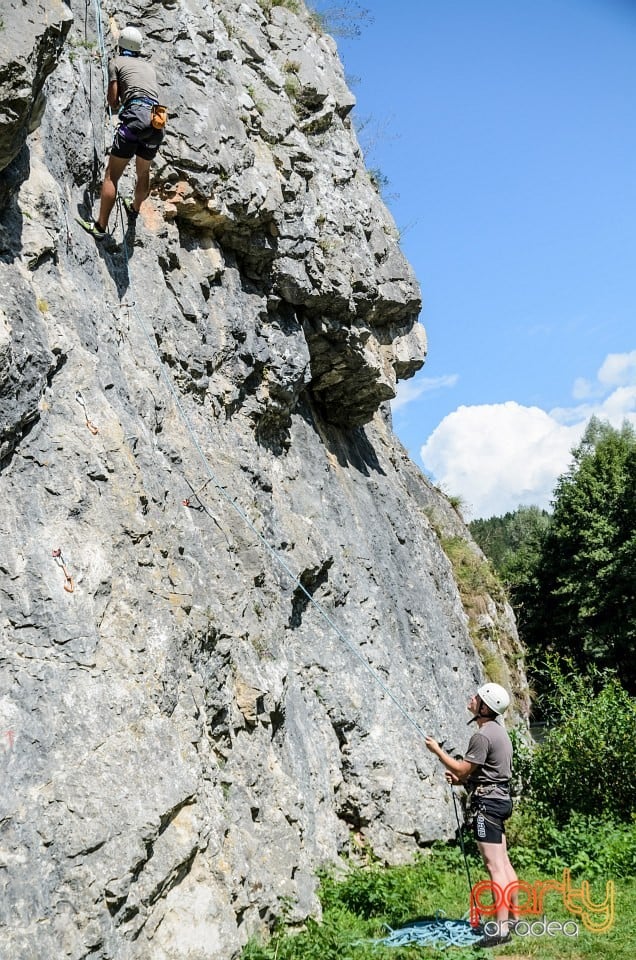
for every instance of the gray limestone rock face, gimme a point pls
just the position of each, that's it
(226, 617)
(31, 38)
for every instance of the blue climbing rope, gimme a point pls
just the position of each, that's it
(439, 933)
(241, 513)
(212, 476)
(101, 44)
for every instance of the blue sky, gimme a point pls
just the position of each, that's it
(507, 132)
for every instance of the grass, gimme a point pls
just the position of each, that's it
(476, 581)
(343, 20)
(358, 909)
(268, 5)
(473, 573)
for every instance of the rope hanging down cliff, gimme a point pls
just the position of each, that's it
(438, 932)
(214, 479)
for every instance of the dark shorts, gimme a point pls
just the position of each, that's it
(488, 815)
(135, 134)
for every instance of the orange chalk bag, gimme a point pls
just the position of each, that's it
(158, 116)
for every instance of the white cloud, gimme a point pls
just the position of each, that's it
(498, 456)
(618, 370)
(409, 390)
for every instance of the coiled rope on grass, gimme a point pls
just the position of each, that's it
(438, 932)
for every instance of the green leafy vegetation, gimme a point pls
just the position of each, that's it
(267, 5)
(343, 20)
(80, 46)
(474, 576)
(587, 760)
(512, 542)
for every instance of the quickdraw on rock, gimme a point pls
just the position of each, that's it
(187, 502)
(68, 579)
(201, 507)
(89, 423)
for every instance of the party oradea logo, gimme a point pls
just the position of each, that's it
(487, 897)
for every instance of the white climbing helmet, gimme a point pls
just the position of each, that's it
(494, 697)
(130, 39)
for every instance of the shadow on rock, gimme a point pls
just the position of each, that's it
(351, 448)
(11, 220)
(116, 256)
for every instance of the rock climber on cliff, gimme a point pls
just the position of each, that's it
(485, 770)
(133, 87)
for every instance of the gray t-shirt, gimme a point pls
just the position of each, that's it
(491, 748)
(135, 78)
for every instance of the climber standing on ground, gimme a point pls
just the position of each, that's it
(133, 87)
(485, 771)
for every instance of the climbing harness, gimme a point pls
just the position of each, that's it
(89, 423)
(158, 112)
(485, 789)
(68, 579)
(437, 932)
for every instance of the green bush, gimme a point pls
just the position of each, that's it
(522, 760)
(587, 760)
(590, 847)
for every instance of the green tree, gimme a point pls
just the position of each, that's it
(585, 601)
(514, 545)
(512, 542)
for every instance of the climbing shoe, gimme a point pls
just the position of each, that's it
(492, 941)
(130, 210)
(91, 227)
